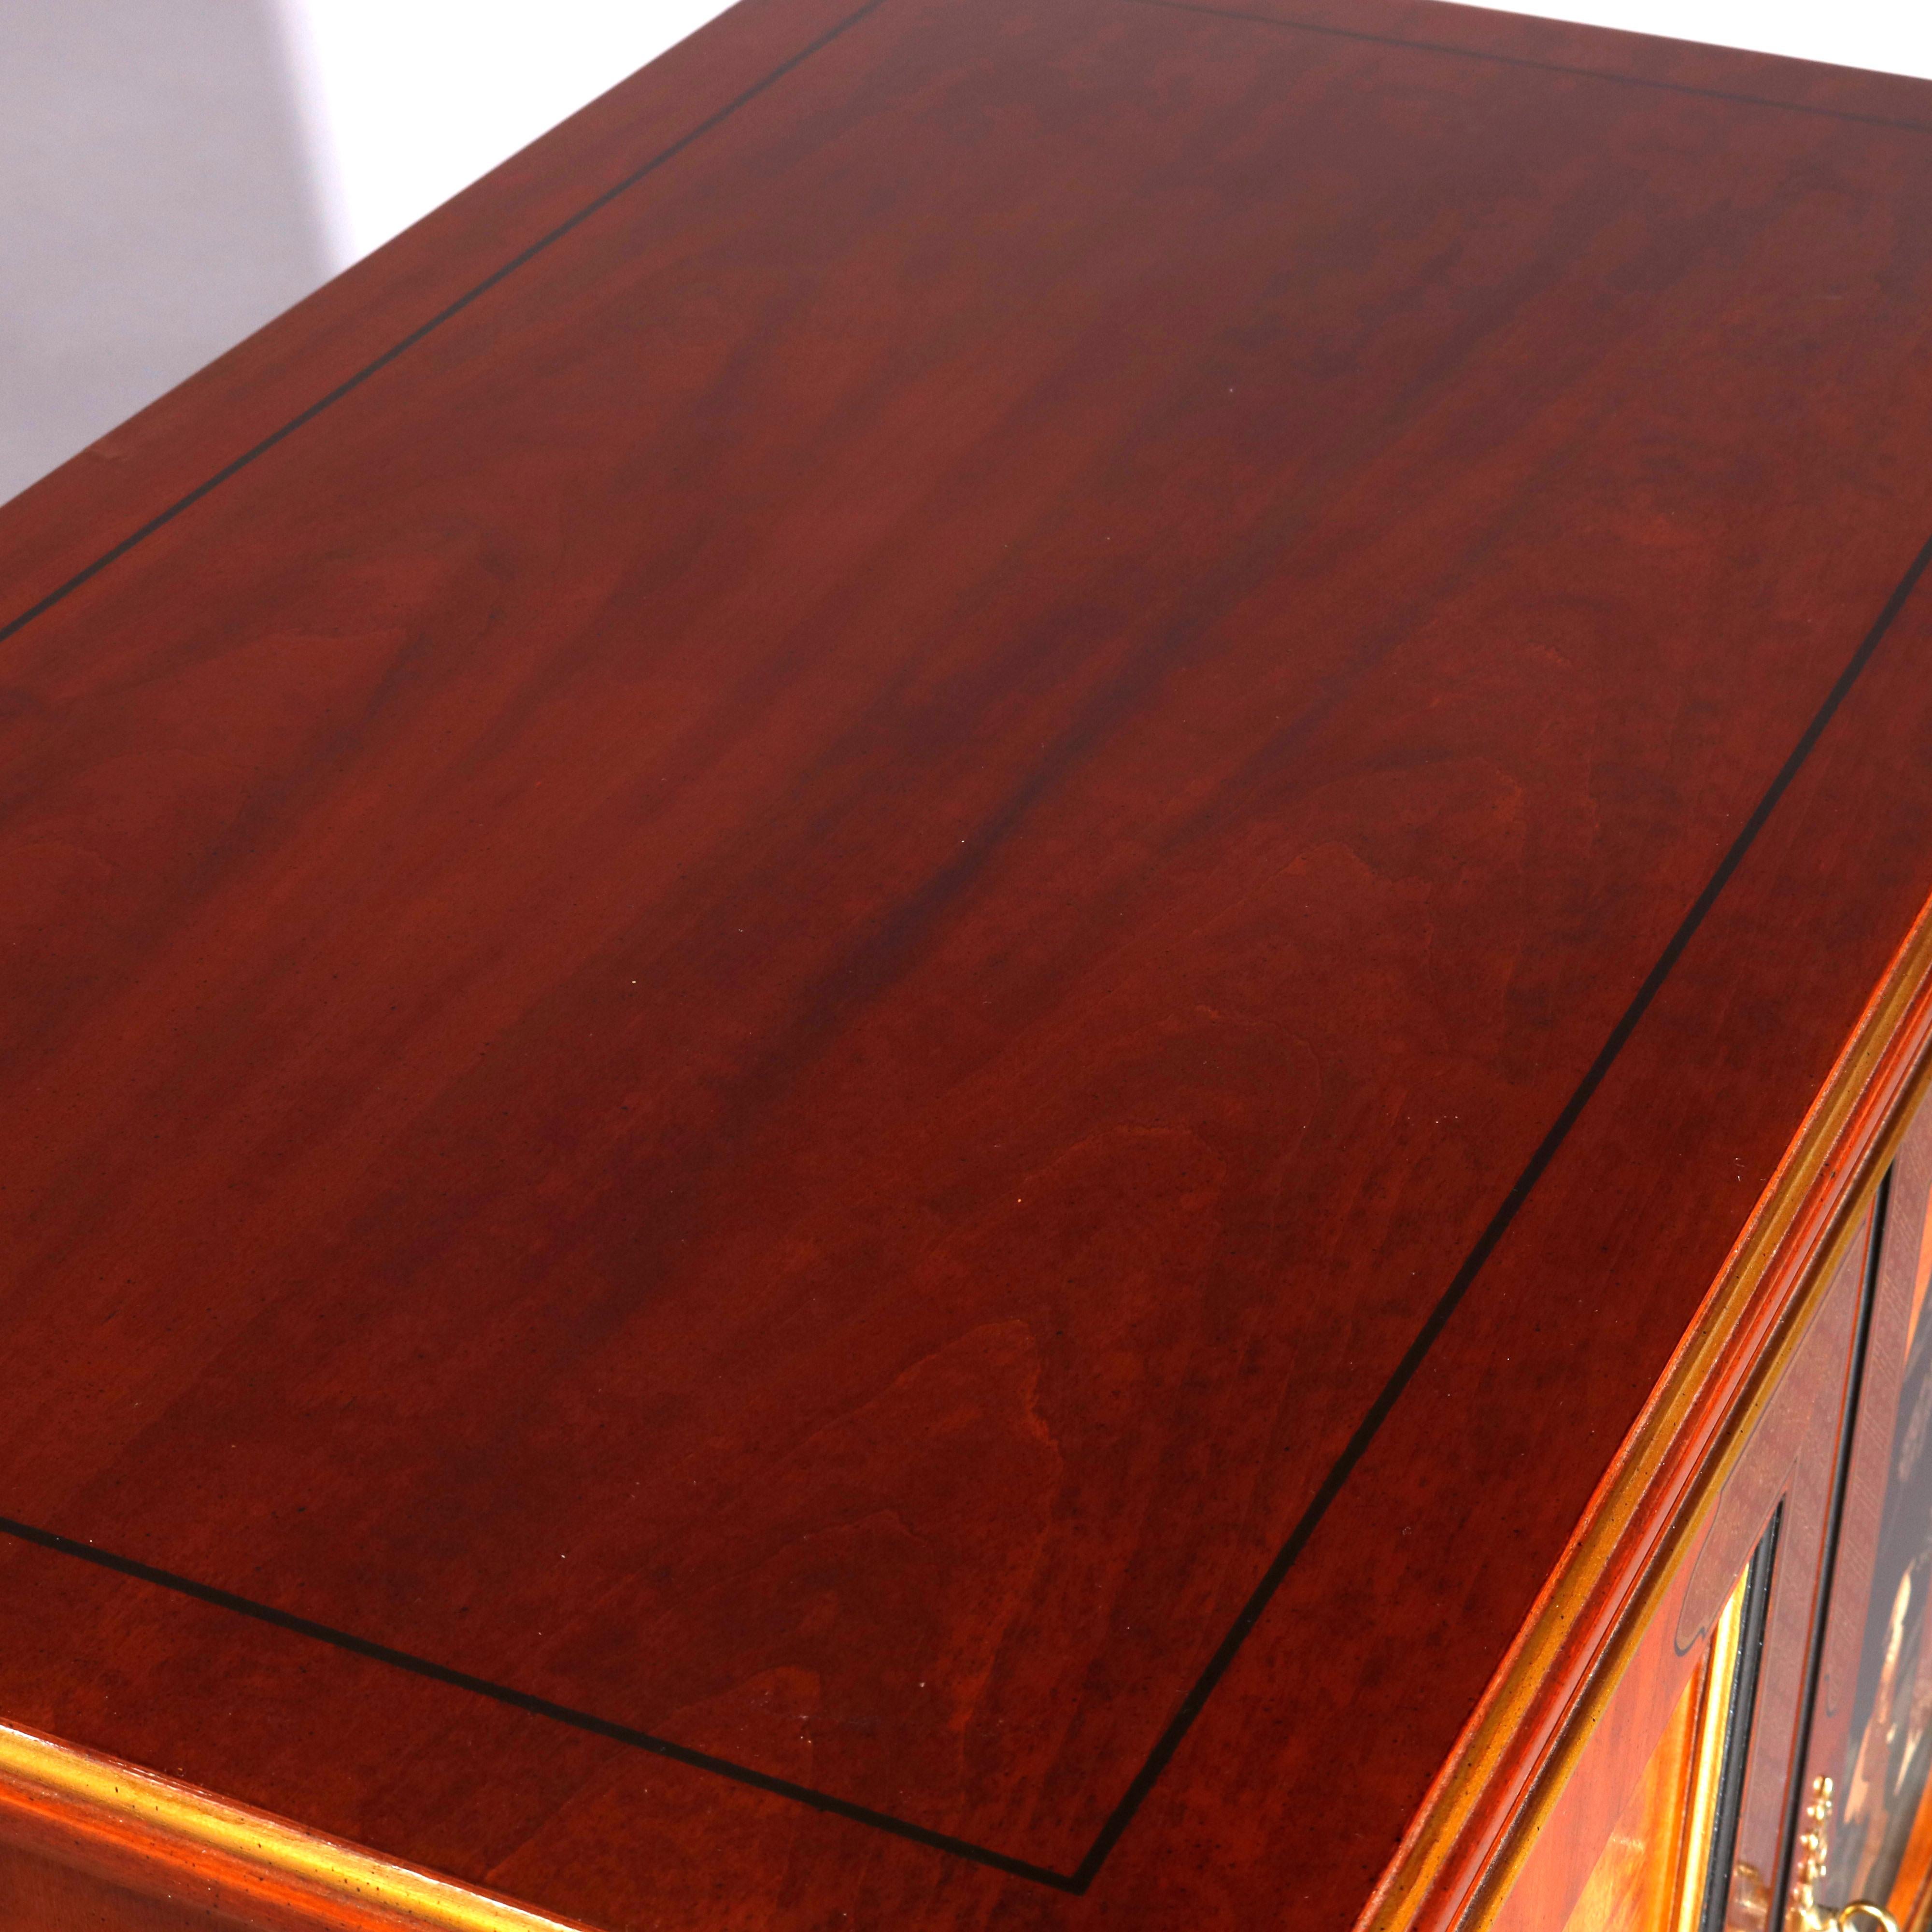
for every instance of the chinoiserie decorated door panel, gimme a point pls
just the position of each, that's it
(1868, 1758)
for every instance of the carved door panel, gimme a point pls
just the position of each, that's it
(1687, 1777)
(1868, 1757)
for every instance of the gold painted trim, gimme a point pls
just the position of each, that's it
(1716, 1705)
(163, 1839)
(1479, 1818)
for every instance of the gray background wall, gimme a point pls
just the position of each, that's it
(173, 172)
(155, 207)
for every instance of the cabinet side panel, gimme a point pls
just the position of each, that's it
(1784, 1470)
(38, 1895)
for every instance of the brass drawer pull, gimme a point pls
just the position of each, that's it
(1845, 1918)
(1806, 1915)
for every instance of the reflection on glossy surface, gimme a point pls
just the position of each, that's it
(1749, 1909)
(1632, 1887)
(1651, 1874)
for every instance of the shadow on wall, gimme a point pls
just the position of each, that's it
(155, 207)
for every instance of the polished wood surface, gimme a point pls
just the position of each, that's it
(43, 1895)
(1632, 1885)
(886, 967)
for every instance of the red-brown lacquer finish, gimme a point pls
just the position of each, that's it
(857, 1061)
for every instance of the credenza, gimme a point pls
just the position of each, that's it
(982, 984)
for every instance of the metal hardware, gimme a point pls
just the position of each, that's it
(1845, 1916)
(1806, 1915)
(1748, 1908)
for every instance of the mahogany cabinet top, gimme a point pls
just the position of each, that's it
(880, 971)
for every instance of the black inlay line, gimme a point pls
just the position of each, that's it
(1357, 1445)
(1370, 1426)
(1542, 66)
(518, 261)
(1196, 1699)
(521, 1700)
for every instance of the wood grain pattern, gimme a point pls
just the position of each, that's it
(821, 1048)
(1631, 1886)
(44, 1895)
